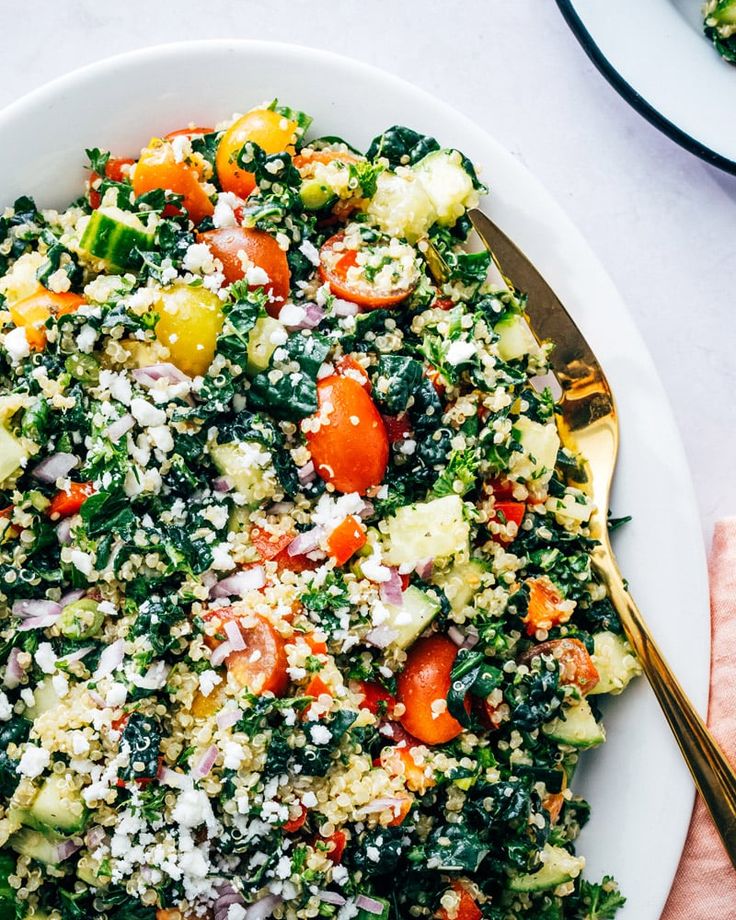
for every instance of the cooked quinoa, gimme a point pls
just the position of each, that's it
(298, 613)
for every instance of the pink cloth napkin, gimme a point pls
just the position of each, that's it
(705, 885)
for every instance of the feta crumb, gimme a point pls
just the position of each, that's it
(208, 680)
(460, 351)
(145, 413)
(34, 761)
(6, 710)
(320, 734)
(45, 658)
(16, 344)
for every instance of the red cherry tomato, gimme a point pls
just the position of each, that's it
(114, 171)
(294, 824)
(398, 427)
(505, 512)
(545, 608)
(345, 540)
(272, 547)
(335, 262)
(467, 908)
(576, 665)
(424, 680)
(347, 437)
(188, 132)
(375, 699)
(68, 502)
(347, 366)
(336, 843)
(261, 666)
(261, 248)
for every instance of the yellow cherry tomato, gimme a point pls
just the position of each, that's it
(271, 131)
(190, 319)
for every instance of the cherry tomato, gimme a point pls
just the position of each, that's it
(306, 161)
(398, 427)
(545, 608)
(262, 250)
(375, 699)
(68, 502)
(489, 715)
(336, 846)
(294, 824)
(188, 132)
(157, 168)
(424, 680)
(400, 811)
(345, 540)
(265, 671)
(347, 437)
(204, 707)
(271, 131)
(399, 761)
(317, 646)
(347, 366)
(503, 490)
(33, 311)
(576, 665)
(113, 170)
(190, 319)
(335, 263)
(270, 547)
(506, 512)
(467, 908)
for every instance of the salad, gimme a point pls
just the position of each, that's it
(297, 613)
(720, 27)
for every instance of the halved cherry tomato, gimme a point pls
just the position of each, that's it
(269, 130)
(576, 665)
(272, 547)
(444, 303)
(226, 244)
(32, 312)
(335, 262)
(424, 680)
(294, 824)
(114, 171)
(345, 540)
(347, 437)
(336, 843)
(317, 646)
(489, 715)
(188, 132)
(261, 666)
(467, 908)
(435, 378)
(157, 168)
(545, 608)
(503, 490)
(347, 366)
(506, 512)
(204, 707)
(317, 687)
(306, 161)
(375, 699)
(399, 761)
(68, 502)
(398, 427)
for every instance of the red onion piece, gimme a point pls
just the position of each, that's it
(331, 897)
(304, 316)
(36, 608)
(424, 568)
(55, 467)
(234, 635)
(306, 473)
(226, 718)
(66, 848)
(171, 778)
(149, 376)
(76, 656)
(64, 530)
(382, 804)
(154, 678)
(391, 590)
(381, 636)
(220, 654)
(13, 671)
(94, 836)
(206, 763)
(239, 584)
(120, 427)
(262, 909)
(221, 484)
(305, 542)
(38, 622)
(370, 904)
(457, 637)
(110, 659)
(471, 640)
(70, 596)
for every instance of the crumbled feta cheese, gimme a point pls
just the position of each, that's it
(310, 251)
(60, 684)
(460, 351)
(320, 734)
(6, 710)
(16, 344)
(116, 696)
(198, 258)
(193, 809)
(34, 761)
(81, 561)
(208, 680)
(86, 338)
(45, 658)
(161, 438)
(145, 413)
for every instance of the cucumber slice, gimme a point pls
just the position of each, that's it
(247, 466)
(113, 235)
(12, 454)
(45, 698)
(38, 846)
(615, 662)
(262, 344)
(539, 446)
(316, 195)
(401, 206)
(435, 529)
(448, 185)
(515, 338)
(90, 871)
(410, 620)
(578, 728)
(460, 583)
(558, 867)
(58, 807)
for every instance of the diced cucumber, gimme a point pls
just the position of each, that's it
(401, 206)
(114, 235)
(262, 343)
(515, 338)
(81, 620)
(539, 446)
(448, 184)
(38, 846)
(12, 454)
(558, 867)
(58, 806)
(615, 662)
(568, 508)
(90, 871)
(578, 728)
(364, 914)
(44, 699)
(316, 195)
(435, 529)
(460, 583)
(410, 620)
(247, 466)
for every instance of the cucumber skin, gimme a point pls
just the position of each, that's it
(113, 241)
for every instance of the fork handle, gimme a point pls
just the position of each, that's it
(713, 774)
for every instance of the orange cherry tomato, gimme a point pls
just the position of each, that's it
(345, 540)
(336, 846)
(467, 908)
(347, 366)
(424, 680)
(489, 715)
(294, 824)
(399, 761)
(307, 160)
(576, 665)
(398, 427)
(317, 646)
(33, 311)
(113, 170)
(335, 262)
(545, 608)
(188, 132)
(505, 512)
(261, 666)
(66, 503)
(272, 132)
(375, 699)
(157, 168)
(317, 687)
(226, 244)
(349, 446)
(401, 811)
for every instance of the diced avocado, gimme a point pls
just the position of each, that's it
(540, 443)
(44, 699)
(615, 662)
(364, 914)
(435, 529)
(558, 867)
(410, 620)
(81, 620)
(316, 195)
(59, 806)
(12, 454)
(114, 236)
(247, 467)
(460, 583)
(38, 846)
(262, 343)
(448, 184)
(578, 728)
(515, 338)
(401, 206)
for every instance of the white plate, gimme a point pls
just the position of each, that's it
(640, 791)
(657, 57)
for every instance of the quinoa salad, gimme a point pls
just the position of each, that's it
(297, 611)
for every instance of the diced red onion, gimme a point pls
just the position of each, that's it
(226, 718)
(207, 762)
(76, 656)
(234, 635)
(471, 639)
(94, 836)
(332, 897)
(382, 804)
(38, 622)
(172, 778)
(13, 671)
(97, 699)
(239, 584)
(154, 678)
(35, 608)
(391, 590)
(367, 510)
(381, 636)
(262, 909)
(221, 484)
(64, 530)
(457, 637)
(424, 568)
(69, 597)
(344, 307)
(312, 316)
(306, 473)
(281, 508)
(55, 467)
(120, 427)
(110, 659)
(305, 542)
(220, 654)
(66, 848)
(149, 376)
(370, 904)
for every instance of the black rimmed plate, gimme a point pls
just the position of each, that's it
(655, 55)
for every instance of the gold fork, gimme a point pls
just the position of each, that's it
(588, 427)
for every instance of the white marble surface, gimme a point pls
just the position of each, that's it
(661, 220)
